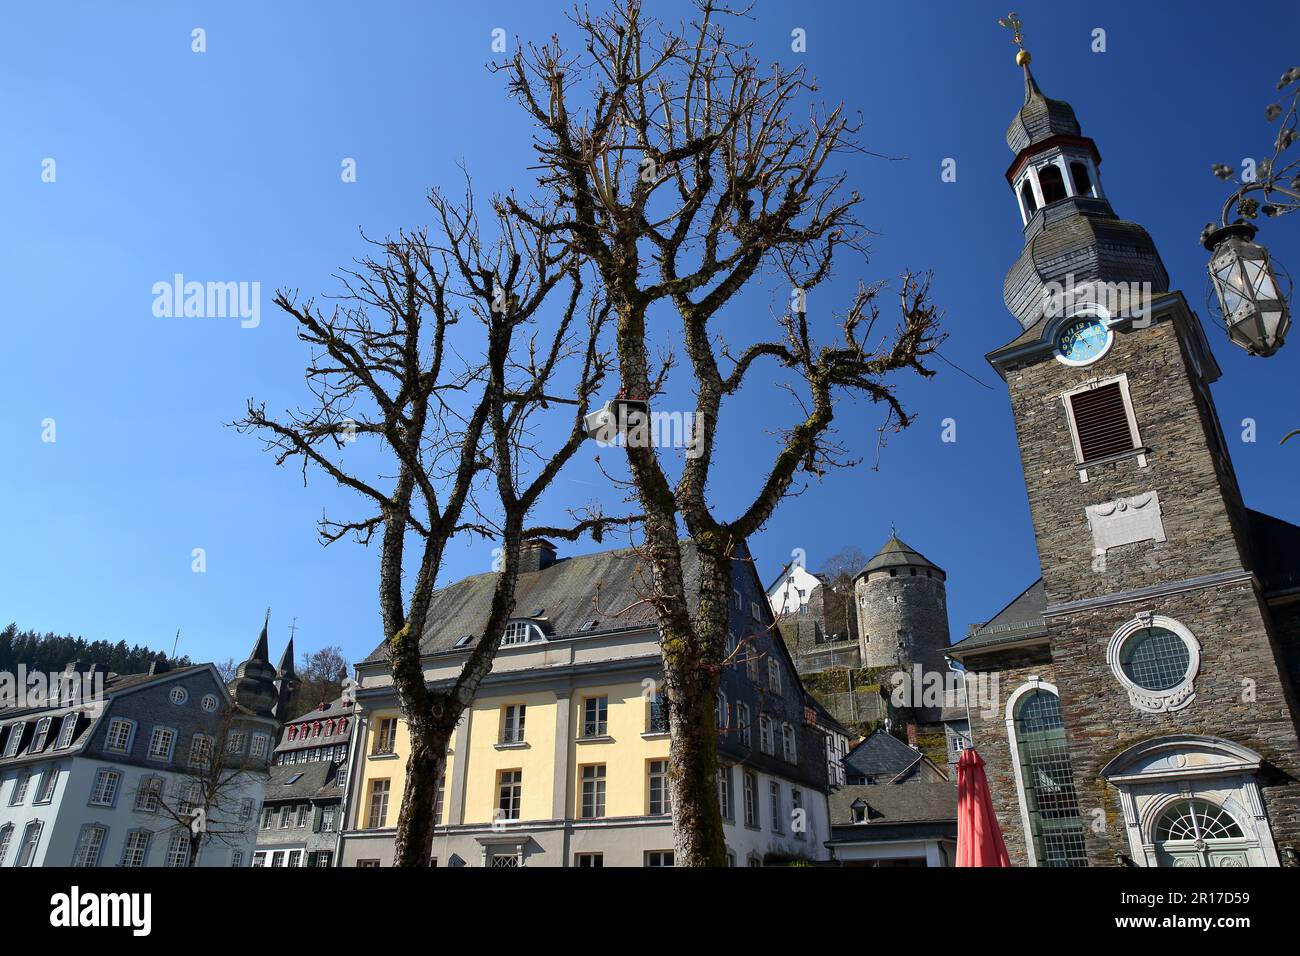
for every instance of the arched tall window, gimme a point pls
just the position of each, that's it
(1027, 197)
(1052, 184)
(1046, 779)
(1082, 181)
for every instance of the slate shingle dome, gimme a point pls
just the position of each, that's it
(1040, 118)
(1077, 239)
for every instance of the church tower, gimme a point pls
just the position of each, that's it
(902, 609)
(254, 684)
(1144, 703)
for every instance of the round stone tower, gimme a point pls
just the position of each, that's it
(902, 609)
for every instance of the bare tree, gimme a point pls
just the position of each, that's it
(386, 367)
(675, 165)
(321, 673)
(211, 800)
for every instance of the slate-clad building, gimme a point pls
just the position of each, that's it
(562, 758)
(1146, 712)
(113, 780)
(913, 825)
(881, 758)
(302, 813)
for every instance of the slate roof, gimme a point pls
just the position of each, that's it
(895, 554)
(1021, 619)
(1040, 118)
(335, 710)
(607, 588)
(87, 720)
(315, 780)
(1275, 548)
(881, 756)
(908, 804)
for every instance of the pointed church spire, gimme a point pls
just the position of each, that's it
(261, 650)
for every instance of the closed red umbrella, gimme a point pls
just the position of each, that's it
(979, 839)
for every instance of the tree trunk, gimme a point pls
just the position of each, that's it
(693, 762)
(416, 821)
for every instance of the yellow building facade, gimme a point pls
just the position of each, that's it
(561, 760)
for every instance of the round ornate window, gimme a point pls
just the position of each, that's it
(209, 703)
(179, 695)
(1156, 659)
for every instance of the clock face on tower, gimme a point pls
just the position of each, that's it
(1083, 340)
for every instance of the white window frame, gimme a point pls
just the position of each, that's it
(49, 783)
(766, 735)
(31, 842)
(1156, 701)
(171, 743)
(114, 726)
(88, 848)
(128, 850)
(41, 736)
(599, 724)
(258, 746)
(789, 744)
(67, 730)
(594, 785)
(513, 721)
(15, 736)
(774, 677)
(202, 750)
(178, 696)
(178, 849)
(743, 724)
(103, 777)
(1135, 433)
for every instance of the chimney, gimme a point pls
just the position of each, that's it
(911, 733)
(536, 555)
(159, 666)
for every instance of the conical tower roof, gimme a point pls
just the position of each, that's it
(286, 661)
(254, 683)
(897, 554)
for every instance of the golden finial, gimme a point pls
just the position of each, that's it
(1012, 22)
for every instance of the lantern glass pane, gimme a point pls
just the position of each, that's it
(1260, 279)
(1231, 288)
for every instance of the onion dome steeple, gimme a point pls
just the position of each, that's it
(1076, 248)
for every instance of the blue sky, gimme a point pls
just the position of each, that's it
(225, 166)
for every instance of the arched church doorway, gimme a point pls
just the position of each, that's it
(1199, 833)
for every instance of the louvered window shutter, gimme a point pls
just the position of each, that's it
(1101, 422)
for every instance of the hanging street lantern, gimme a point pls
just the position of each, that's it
(1250, 297)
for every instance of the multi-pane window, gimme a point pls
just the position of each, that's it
(517, 632)
(661, 800)
(512, 723)
(6, 836)
(31, 839)
(589, 860)
(257, 750)
(295, 858)
(724, 792)
(509, 794)
(234, 742)
(659, 858)
(751, 667)
(796, 813)
(136, 848)
(267, 815)
(149, 794)
(657, 719)
(301, 819)
(788, 747)
(440, 794)
(286, 814)
(773, 676)
(200, 752)
(743, 726)
(236, 858)
(119, 736)
(160, 743)
(259, 859)
(89, 845)
(189, 797)
(41, 735)
(720, 708)
(66, 730)
(178, 849)
(15, 736)
(20, 788)
(385, 736)
(48, 783)
(766, 740)
(774, 794)
(378, 815)
(104, 792)
(750, 787)
(246, 809)
(327, 817)
(595, 717)
(593, 791)
(179, 695)
(1047, 777)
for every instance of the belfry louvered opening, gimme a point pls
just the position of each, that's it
(1101, 422)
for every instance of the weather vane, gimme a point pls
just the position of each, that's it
(1012, 22)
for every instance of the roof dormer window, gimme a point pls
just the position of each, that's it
(521, 632)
